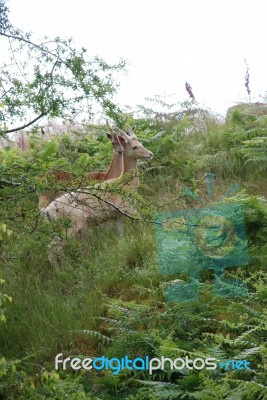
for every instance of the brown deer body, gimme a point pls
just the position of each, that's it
(87, 207)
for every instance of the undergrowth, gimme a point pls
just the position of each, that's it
(108, 298)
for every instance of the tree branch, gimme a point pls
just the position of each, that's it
(13, 55)
(26, 125)
(4, 183)
(29, 42)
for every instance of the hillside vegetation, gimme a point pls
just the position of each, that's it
(108, 296)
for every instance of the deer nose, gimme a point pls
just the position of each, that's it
(120, 151)
(151, 154)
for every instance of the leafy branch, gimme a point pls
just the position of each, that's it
(51, 78)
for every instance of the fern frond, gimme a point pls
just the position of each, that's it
(104, 339)
(165, 391)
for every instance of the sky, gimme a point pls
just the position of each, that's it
(166, 43)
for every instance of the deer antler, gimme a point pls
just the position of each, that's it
(127, 135)
(124, 134)
(109, 127)
(131, 132)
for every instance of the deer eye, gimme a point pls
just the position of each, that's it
(135, 147)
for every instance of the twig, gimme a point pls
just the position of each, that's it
(26, 125)
(29, 42)
(7, 183)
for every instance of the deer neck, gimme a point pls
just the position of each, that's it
(130, 165)
(116, 166)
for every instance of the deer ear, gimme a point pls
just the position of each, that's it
(109, 136)
(122, 140)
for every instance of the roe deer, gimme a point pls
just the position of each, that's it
(86, 206)
(114, 171)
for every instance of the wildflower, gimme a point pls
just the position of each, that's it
(189, 91)
(247, 79)
(22, 143)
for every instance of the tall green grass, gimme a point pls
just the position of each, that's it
(107, 298)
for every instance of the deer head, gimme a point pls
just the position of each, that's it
(112, 136)
(117, 146)
(133, 149)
